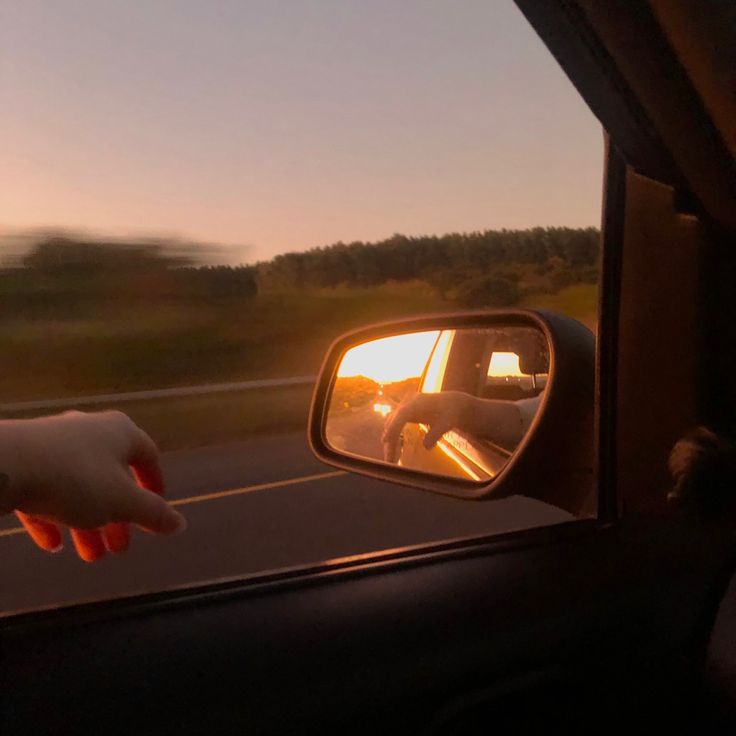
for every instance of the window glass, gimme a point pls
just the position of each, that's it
(198, 197)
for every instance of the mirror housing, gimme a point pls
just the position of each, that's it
(554, 460)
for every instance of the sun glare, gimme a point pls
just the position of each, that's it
(389, 359)
(435, 374)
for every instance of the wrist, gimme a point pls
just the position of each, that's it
(466, 411)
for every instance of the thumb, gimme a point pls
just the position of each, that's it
(148, 510)
(434, 433)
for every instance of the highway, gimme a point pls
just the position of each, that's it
(252, 506)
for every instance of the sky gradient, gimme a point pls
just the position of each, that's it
(285, 124)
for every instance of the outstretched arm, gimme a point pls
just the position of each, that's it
(92, 472)
(503, 422)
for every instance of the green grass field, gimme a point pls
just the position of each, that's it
(274, 335)
(210, 420)
(163, 346)
(579, 301)
(195, 421)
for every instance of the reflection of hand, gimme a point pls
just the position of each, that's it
(81, 470)
(499, 421)
(442, 412)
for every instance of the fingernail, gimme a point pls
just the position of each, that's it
(91, 555)
(175, 522)
(56, 549)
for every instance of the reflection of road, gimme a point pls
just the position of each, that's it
(358, 432)
(280, 525)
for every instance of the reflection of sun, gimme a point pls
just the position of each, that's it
(390, 358)
(383, 409)
(504, 364)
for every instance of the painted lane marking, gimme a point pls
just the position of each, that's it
(259, 487)
(224, 494)
(10, 532)
(156, 393)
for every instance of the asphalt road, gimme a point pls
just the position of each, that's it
(253, 506)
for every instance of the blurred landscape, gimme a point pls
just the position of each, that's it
(83, 316)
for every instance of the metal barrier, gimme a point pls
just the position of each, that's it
(162, 393)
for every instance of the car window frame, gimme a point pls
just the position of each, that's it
(612, 232)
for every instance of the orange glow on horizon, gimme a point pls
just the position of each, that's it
(389, 359)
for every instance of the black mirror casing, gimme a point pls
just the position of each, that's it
(558, 446)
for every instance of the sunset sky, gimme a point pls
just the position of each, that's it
(281, 125)
(390, 358)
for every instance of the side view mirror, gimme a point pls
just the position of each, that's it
(474, 405)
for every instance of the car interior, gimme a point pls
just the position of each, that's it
(623, 615)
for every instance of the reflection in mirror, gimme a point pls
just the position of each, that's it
(446, 402)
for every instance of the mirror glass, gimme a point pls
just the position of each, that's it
(445, 402)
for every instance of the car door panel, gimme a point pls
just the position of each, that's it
(399, 641)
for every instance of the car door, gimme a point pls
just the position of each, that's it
(485, 367)
(597, 618)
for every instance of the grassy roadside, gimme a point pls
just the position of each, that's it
(276, 336)
(196, 421)
(272, 335)
(210, 420)
(579, 301)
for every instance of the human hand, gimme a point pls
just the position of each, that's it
(441, 411)
(95, 473)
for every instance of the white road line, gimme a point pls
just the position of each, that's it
(224, 494)
(10, 532)
(259, 487)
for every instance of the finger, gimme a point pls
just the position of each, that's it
(388, 424)
(144, 459)
(391, 436)
(148, 510)
(434, 434)
(116, 537)
(88, 543)
(393, 427)
(391, 452)
(419, 408)
(44, 533)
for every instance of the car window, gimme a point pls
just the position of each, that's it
(200, 197)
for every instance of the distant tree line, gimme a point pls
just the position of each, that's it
(62, 275)
(491, 268)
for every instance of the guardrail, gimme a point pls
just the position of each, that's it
(161, 393)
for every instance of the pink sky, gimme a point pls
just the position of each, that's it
(283, 126)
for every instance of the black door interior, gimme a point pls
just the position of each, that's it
(549, 627)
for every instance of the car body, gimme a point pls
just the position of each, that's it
(607, 620)
(505, 369)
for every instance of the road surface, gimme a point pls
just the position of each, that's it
(252, 506)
